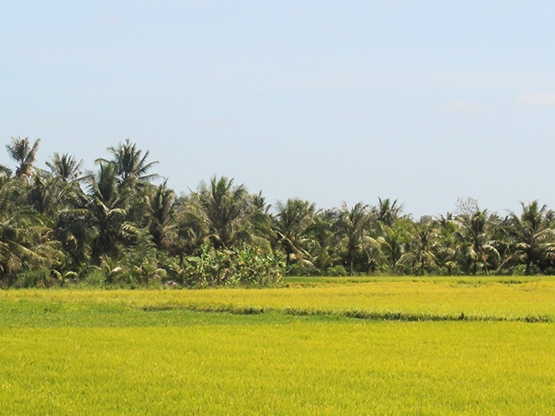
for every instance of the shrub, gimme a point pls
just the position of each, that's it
(303, 270)
(95, 277)
(338, 270)
(33, 278)
(245, 265)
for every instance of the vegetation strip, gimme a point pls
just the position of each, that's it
(381, 298)
(114, 228)
(357, 314)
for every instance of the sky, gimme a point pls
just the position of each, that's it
(337, 101)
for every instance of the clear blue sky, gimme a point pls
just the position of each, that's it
(329, 101)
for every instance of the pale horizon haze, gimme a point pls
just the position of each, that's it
(329, 101)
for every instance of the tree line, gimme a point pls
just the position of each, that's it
(114, 226)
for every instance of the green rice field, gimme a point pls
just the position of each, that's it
(379, 346)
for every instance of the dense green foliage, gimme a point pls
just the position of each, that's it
(115, 227)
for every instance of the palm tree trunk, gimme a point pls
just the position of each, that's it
(287, 261)
(485, 263)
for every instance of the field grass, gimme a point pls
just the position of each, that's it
(284, 351)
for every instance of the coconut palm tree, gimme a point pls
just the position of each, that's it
(448, 243)
(323, 243)
(421, 256)
(24, 154)
(48, 194)
(107, 212)
(25, 244)
(387, 211)
(65, 167)
(291, 222)
(532, 236)
(192, 227)
(225, 207)
(13, 196)
(130, 163)
(5, 171)
(161, 216)
(353, 227)
(475, 243)
(259, 222)
(395, 242)
(75, 230)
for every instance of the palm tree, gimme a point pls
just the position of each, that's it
(260, 222)
(448, 243)
(25, 244)
(65, 167)
(24, 154)
(532, 235)
(47, 194)
(388, 211)
(353, 227)
(225, 208)
(131, 163)
(421, 255)
(322, 242)
(291, 222)
(192, 227)
(162, 222)
(5, 171)
(474, 238)
(75, 230)
(395, 242)
(13, 196)
(107, 212)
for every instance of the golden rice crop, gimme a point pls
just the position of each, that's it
(149, 352)
(304, 367)
(387, 298)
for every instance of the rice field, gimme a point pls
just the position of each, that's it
(527, 299)
(283, 351)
